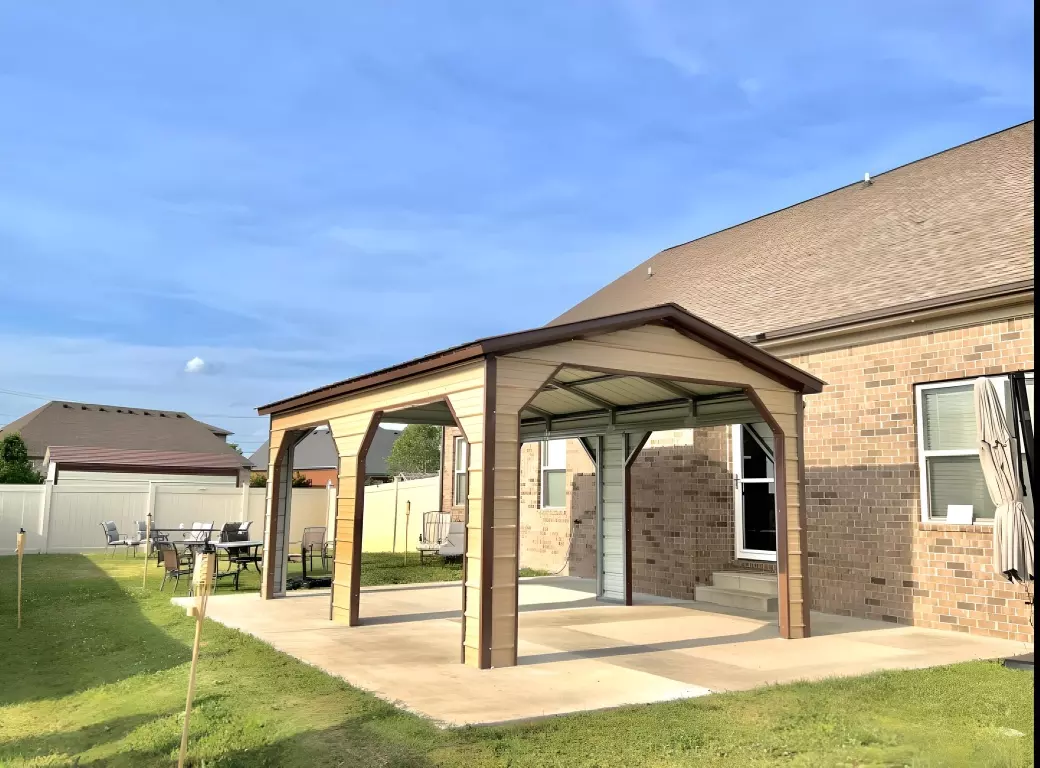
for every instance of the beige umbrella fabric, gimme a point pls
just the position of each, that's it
(1013, 553)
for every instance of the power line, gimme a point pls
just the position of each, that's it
(25, 394)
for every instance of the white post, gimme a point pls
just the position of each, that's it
(330, 512)
(397, 486)
(45, 506)
(150, 510)
(19, 549)
(243, 514)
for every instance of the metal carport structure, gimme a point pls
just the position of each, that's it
(610, 380)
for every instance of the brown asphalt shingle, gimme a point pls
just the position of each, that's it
(66, 423)
(955, 222)
(124, 457)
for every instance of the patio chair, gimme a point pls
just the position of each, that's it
(173, 567)
(142, 533)
(198, 536)
(313, 542)
(240, 556)
(114, 539)
(229, 574)
(185, 553)
(200, 532)
(434, 530)
(328, 552)
(454, 544)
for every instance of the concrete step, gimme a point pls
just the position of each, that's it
(746, 581)
(733, 598)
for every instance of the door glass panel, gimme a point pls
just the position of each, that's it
(758, 453)
(759, 516)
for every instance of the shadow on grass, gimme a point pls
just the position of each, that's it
(350, 743)
(80, 629)
(154, 740)
(72, 743)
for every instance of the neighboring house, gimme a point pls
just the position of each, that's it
(316, 459)
(897, 291)
(78, 442)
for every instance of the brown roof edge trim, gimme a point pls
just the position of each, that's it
(991, 292)
(403, 370)
(671, 314)
(768, 364)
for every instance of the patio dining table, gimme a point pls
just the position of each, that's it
(240, 553)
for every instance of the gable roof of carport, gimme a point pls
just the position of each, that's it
(669, 315)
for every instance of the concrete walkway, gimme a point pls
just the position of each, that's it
(575, 653)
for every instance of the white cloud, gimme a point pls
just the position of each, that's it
(195, 365)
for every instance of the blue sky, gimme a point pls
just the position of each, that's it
(296, 193)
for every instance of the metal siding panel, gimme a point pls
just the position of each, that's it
(612, 529)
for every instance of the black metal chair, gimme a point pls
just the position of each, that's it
(241, 557)
(114, 539)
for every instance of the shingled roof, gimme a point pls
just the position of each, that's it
(318, 451)
(955, 224)
(65, 423)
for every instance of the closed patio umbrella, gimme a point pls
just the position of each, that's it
(1013, 553)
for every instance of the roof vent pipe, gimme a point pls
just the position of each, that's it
(866, 180)
(649, 272)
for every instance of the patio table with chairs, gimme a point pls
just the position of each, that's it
(177, 556)
(313, 544)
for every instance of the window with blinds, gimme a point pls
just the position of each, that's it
(951, 473)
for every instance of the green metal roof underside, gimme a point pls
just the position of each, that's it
(578, 402)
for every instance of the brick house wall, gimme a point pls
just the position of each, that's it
(458, 511)
(682, 513)
(870, 555)
(558, 540)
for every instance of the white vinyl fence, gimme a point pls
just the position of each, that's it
(394, 512)
(68, 517)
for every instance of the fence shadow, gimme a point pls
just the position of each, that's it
(356, 741)
(80, 629)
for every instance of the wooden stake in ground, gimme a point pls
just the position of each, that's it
(202, 584)
(147, 548)
(20, 549)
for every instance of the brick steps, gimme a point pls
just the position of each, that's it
(739, 589)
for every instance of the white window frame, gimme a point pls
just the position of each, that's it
(460, 450)
(741, 553)
(545, 470)
(999, 383)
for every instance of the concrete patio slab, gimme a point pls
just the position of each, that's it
(575, 653)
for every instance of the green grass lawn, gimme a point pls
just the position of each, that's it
(97, 677)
